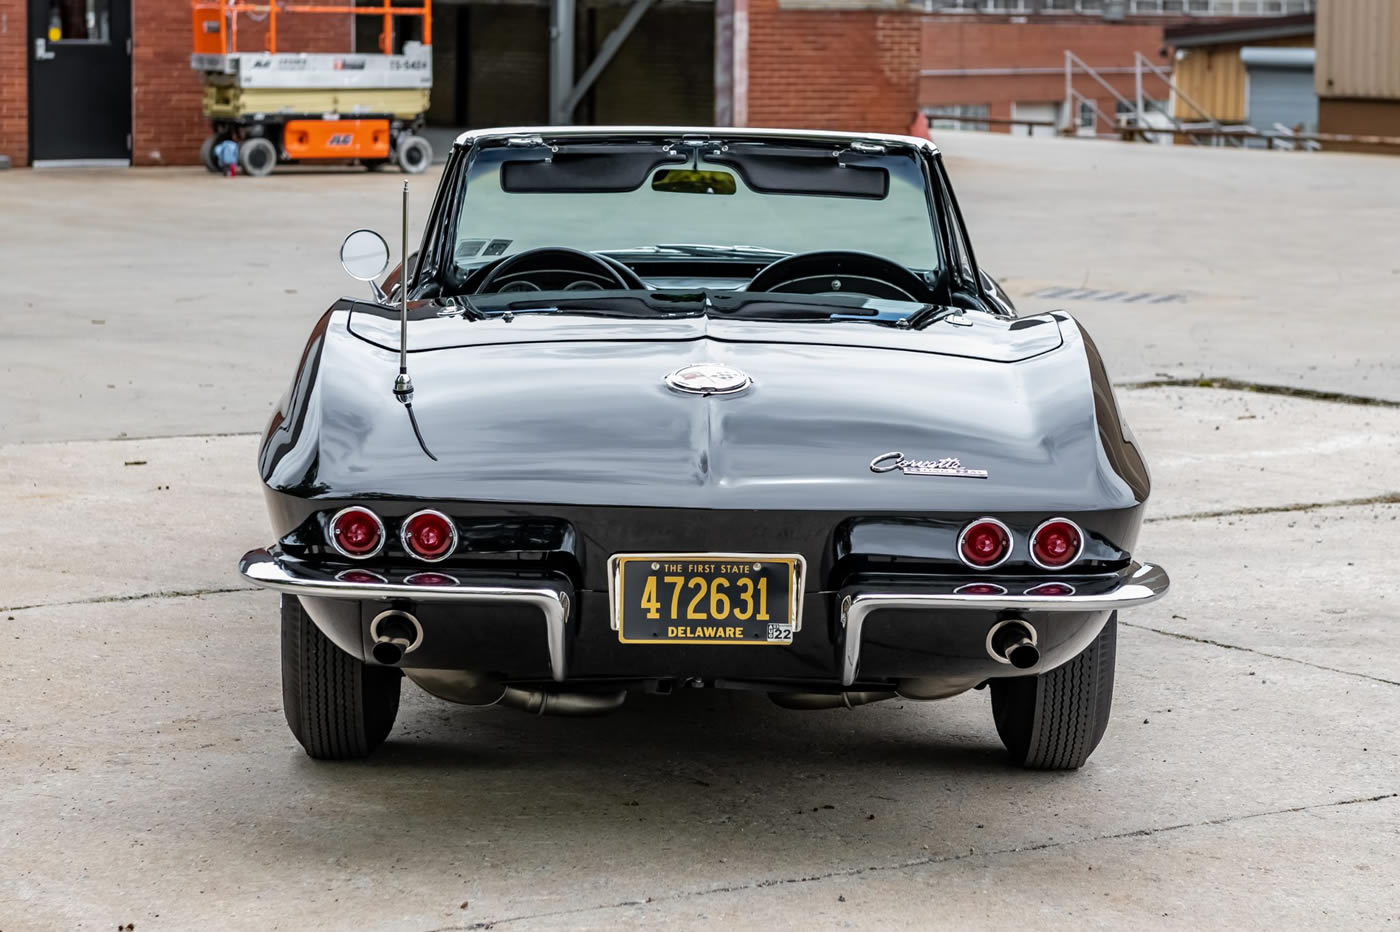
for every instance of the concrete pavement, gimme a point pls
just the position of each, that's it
(1249, 777)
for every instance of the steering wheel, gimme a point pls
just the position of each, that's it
(839, 272)
(560, 259)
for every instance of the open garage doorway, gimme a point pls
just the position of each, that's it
(491, 64)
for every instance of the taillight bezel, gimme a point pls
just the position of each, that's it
(404, 536)
(1079, 552)
(335, 543)
(1010, 543)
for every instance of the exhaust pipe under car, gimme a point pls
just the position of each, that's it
(395, 633)
(842, 700)
(1014, 641)
(480, 689)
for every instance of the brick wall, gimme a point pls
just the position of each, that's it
(849, 70)
(1033, 55)
(814, 64)
(14, 81)
(167, 120)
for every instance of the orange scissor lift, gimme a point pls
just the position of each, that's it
(280, 107)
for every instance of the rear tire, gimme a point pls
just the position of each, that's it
(1055, 720)
(258, 156)
(337, 707)
(413, 153)
(206, 154)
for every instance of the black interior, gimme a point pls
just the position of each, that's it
(557, 268)
(554, 268)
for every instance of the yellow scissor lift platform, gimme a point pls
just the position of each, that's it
(277, 107)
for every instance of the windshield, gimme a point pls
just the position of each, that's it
(746, 200)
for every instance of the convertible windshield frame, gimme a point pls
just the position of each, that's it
(780, 204)
(437, 271)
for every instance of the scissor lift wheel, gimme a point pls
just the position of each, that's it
(414, 154)
(258, 156)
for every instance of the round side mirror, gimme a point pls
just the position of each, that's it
(364, 255)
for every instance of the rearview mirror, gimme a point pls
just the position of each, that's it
(364, 255)
(690, 181)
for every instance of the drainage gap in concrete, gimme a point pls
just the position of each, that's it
(1238, 385)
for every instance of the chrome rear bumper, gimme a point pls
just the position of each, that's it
(1137, 585)
(265, 568)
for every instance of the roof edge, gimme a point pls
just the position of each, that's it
(1263, 28)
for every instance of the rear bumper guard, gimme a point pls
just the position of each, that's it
(267, 569)
(1137, 585)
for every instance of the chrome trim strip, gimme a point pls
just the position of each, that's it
(1142, 583)
(262, 568)
(799, 565)
(725, 133)
(1079, 532)
(330, 533)
(403, 536)
(1010, 542)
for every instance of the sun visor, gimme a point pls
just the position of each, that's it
(585, 170)
(782, 170)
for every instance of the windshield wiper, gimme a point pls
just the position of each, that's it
(704, 250)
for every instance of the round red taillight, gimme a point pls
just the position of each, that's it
(429, 535)
(984, 543)
(357, 532)
(1056, 544)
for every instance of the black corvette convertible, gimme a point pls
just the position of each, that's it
(646, 398)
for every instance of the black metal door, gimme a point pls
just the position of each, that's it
(80, 79)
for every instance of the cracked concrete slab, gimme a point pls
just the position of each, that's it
(1188, 877)
(1216, 450)
(105, 520)
(159, 785)
(1317, 586)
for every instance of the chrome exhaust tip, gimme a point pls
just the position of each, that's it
(394, 633)
(1014, 641)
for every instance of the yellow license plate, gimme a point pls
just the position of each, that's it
(706, 598)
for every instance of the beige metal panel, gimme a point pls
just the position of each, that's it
(1214, 78)
(1358, 48)
(226, 101)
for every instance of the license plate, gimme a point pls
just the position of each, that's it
(706, 598)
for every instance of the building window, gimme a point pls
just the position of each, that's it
(79, 21)
(1087, 116)
(958, 116)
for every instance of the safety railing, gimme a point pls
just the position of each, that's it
(216, 21)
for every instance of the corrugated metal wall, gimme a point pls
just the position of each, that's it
(1214, 77)
(1358, 48)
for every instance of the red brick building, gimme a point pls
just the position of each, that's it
(872, 69)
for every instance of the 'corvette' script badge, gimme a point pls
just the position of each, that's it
(948, 466)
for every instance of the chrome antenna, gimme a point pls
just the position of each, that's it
(403, 385)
